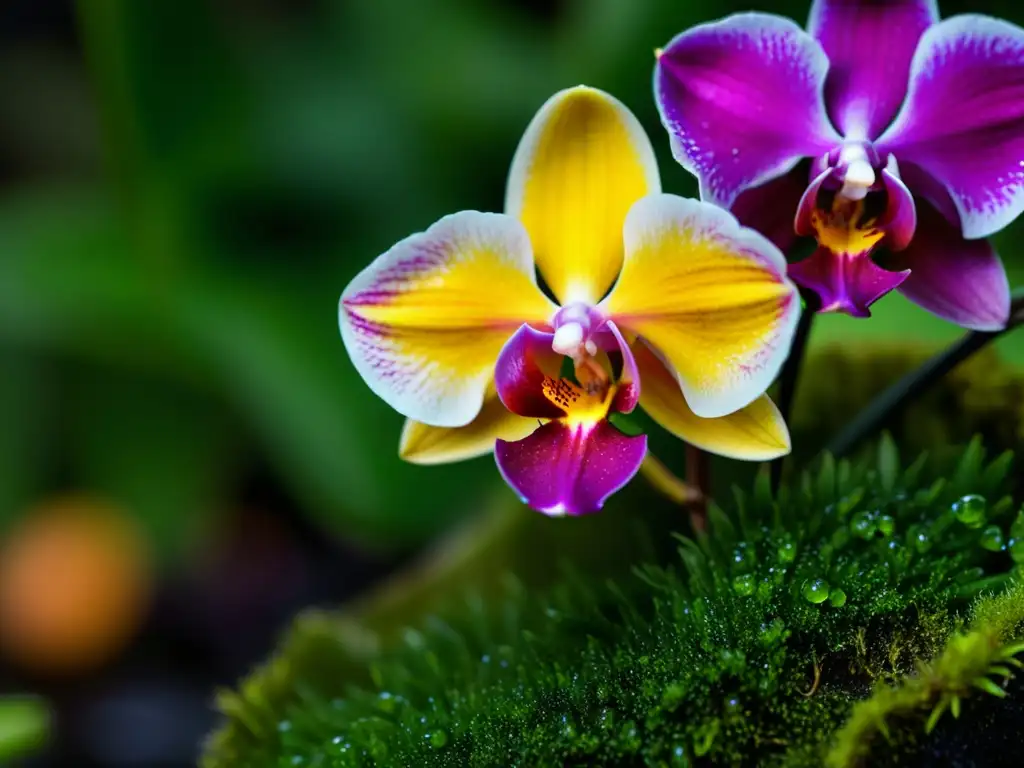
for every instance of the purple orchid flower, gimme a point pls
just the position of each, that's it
(915, 133)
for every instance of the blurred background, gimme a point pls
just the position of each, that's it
(187, 458)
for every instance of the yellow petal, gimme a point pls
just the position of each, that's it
(423, 444)
(424, 323)
(583, 161)
(711, 296)
(754, 433)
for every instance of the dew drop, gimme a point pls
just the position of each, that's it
(787, 551)
(970, 510)
(837, 597)
(743, 557)
(919, 539)
(1017, 527)
(886, 525)
(863, 524)
(815, 590)
(744, 585)
(1017, 550)
(438, 739)
(992, 539)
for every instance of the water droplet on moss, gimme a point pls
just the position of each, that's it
(863, 524)
(992, 538)
(744, 585)
(886, 525)
(970, 510)
(337, 746)
(919, 539)
(743, 557)
(1017, 550)
(772, 633)
(815, 590)
(837, 597)
(438, 738)
(1017, 527)
(787, 551)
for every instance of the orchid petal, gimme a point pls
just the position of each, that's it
(869, 47)
(770, 208)
(963, 120)
(627, 393)
(711, 295)
(583, 161)
(900, 219)
(570, 469)
(422, 323)
(804, 224)
(845, 281)
(960, 280)
(423, 444)
(743, 101)
(754, 433)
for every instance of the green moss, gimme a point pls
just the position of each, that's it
(966, 666)
(751, 646)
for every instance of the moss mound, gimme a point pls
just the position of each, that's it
(758, 645)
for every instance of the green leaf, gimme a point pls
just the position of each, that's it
(888, 462)
(984, 684)
(826, 480)
(937, 712)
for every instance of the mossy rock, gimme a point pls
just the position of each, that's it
(982, 396)
(751, 647)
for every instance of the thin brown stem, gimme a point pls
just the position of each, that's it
(698, 476)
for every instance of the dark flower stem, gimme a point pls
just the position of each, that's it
(698, 476)
(915, 383)
(791, 373)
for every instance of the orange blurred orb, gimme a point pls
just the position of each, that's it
(74, 586)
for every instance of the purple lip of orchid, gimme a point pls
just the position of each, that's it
(574, 462)
(903, 117)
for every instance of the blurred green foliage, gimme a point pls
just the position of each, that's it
(24, 722)
(168, 323)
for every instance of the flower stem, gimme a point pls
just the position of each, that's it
(915, 383)
(698, 477)
(666, 482)
(791, 373)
